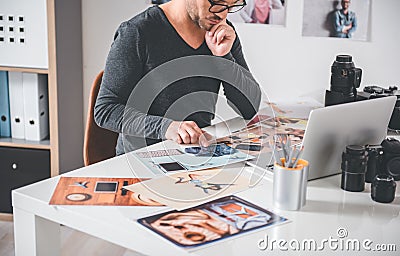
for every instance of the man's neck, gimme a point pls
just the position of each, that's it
(345, 11)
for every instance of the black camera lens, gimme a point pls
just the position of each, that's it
(383, 188)
(345, 78)
(354, 165)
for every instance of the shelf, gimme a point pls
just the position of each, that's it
(6, 217)
(18, 143)
(28, 70)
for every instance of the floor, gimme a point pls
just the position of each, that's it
(73, 243)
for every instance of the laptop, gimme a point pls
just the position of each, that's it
(330, 129)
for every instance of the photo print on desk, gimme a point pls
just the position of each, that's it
(183, 190)
(346, 19)
(288, 117)
(214, 221)
(256, 138)
(98, 191)
(159, 163)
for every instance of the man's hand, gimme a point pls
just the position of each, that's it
(220, 38)
(347, 28)
(187, 132)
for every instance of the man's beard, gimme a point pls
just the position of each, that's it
(199, 22)
(194, 16)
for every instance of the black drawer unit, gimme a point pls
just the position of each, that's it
(20, 167)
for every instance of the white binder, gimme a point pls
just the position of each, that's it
(35, 106)
(16, 105)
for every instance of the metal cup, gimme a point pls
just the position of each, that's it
(290, 186)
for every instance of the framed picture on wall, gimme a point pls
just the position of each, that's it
(347, 19)
(271, 12)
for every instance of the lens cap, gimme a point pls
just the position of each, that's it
(344, 58)
(355, 150)
(383, 188)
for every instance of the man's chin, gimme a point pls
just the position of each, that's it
(207, 24)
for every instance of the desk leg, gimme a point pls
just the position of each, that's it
(35, 236)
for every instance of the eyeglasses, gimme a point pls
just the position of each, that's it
(217, 7)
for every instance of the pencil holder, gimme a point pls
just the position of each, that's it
(290, 185)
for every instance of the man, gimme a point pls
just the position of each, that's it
(345, 21)
(157, 36)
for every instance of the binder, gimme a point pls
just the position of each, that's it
(16, 105)
(35, 100)
(5, 125)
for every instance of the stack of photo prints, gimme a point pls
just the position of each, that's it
(191, 178)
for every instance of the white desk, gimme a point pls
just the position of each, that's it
(37, 229)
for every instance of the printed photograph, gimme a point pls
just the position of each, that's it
(271, 12)
(347, 19)
(217, 220)
(98, 191)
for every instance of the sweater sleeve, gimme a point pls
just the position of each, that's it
(123, 70)
(244, 95)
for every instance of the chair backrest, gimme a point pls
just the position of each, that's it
(99, 143)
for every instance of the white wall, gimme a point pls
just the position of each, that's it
(284, 62)
(100, 20)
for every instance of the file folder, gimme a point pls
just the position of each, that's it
(16, 105)
(35, 106)
(5, 126)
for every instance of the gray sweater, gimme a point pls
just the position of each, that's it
(139, 96)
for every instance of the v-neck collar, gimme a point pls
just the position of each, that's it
(176, 32)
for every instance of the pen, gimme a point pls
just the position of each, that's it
(298, 156)
(293, 153)
(275, 152)
(288, 162)
(283, 147)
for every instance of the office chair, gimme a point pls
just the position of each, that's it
(99, 143)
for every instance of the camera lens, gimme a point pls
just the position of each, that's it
(383, 189)
(345, 78)
(354, 164)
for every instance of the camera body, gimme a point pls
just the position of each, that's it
(383, 159)
(346, 78)
(375, 162)
(391, 157)
(374, 92)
